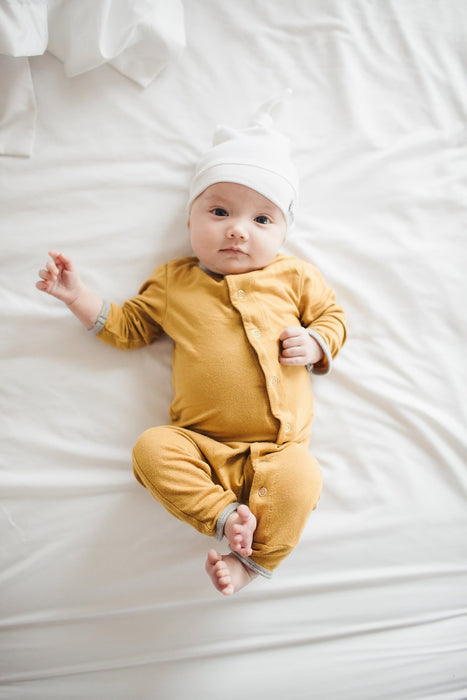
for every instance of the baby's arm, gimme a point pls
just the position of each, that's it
(323, 330)
(298, 347)
(60, 279)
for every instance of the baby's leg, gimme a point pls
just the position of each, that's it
(169, 463)
(239, 530)
(227, 573)
(285, 488)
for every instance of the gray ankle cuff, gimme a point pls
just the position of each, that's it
(223, 519)
(253, 566)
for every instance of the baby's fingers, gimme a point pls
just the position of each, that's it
(292, 356)
(293, 351)
(44, 274)
(61, 260)
(45, 286)
(293, 361)
(51, 270)
(48, 276)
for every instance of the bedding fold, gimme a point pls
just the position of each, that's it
(137, 39)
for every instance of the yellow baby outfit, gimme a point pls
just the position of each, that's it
(240, 421)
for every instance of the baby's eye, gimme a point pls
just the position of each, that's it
(218, 211)
(263, 219)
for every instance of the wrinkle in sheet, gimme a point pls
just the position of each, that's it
(23, 28)
(138, 39)
(18, 110)
(279, 641)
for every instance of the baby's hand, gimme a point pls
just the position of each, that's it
(60, 278)
(298, 347)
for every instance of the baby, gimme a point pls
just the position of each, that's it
(247, 324)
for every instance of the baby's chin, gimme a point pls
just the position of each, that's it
(233, 265)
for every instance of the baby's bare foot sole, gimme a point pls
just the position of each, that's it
(227, 573)
(239, 530)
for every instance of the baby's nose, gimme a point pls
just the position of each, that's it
(238, 229)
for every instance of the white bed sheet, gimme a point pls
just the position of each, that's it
(102, 593)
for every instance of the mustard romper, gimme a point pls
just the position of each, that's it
(240, 421)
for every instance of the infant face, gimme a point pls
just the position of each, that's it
(234, 229)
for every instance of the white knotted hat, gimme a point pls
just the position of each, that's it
(258, 157)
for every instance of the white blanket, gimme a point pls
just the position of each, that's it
(102, 593)
(136, 38)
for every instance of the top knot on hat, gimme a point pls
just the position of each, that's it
(257, 157)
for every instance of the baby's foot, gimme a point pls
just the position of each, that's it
(239, 530)
(227, 573)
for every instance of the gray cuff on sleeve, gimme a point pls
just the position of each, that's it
(223, 519)
(101, 319)
(327, 368)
